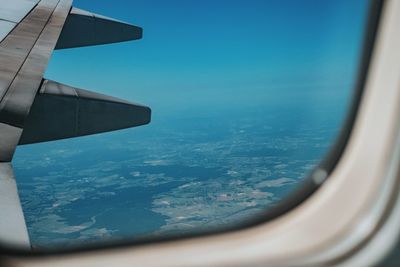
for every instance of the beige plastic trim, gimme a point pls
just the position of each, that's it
(347, 214)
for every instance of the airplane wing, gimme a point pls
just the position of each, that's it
(33, 109)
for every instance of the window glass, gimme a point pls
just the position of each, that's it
(247, 97)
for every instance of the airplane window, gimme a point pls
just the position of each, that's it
(247, 97)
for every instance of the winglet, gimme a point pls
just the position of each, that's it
(83, 28)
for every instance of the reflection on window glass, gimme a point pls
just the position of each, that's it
(247, 97)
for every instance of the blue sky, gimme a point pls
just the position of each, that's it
(198, 54)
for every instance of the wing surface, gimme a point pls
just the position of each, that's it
(24, 55)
